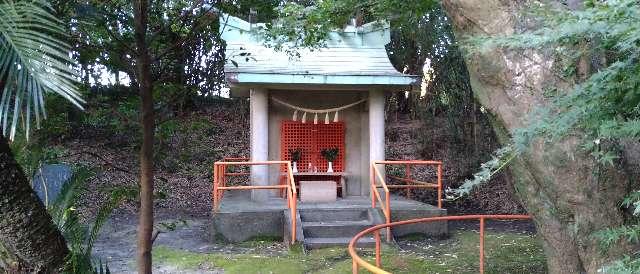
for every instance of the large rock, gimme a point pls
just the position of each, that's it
(49, 181)
(569, 195)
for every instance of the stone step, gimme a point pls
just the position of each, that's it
(327, 215)
(334, 229)
(312, 243)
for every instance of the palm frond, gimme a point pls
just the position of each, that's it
(81, 237)
(34, 60)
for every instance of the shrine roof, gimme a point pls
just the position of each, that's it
(352, 56)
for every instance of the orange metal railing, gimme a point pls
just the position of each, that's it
(235, 159)
(357, 262)
(378, 177)
(219, 185)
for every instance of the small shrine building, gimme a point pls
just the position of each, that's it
(331, 97)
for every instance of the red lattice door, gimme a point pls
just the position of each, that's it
(312, 139)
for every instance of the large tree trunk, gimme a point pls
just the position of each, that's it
(27, 232)
(569, 195)
(143, 66)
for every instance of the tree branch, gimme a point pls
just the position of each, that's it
(189, 37)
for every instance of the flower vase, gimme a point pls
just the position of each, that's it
(295, 167)
(330, 169)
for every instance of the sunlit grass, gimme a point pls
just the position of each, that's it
(505, 253)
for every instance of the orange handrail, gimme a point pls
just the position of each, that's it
(219, 185)
(376, 176)
(386, 205)
(357, 261)
(235, 159)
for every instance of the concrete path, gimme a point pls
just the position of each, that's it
(117, 244)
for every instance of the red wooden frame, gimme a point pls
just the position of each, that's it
(312, 139)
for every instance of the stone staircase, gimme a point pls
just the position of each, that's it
(335, 227)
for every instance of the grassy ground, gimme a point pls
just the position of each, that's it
(506, 252)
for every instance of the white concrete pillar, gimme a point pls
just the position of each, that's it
(259, 100)
(376, 125)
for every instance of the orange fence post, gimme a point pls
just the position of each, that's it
(223, 181)
(481, 245)
(372, 179)
(295, 217)
(223, 171)
(219, 180)
(220, 183)
(293, 200)
(388, 215)
(378, 251)
(215, 186)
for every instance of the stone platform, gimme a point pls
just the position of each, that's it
(240, 219)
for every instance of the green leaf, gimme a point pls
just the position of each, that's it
(34, 61)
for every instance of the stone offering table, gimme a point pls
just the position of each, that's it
(337, 177)
(318, 191)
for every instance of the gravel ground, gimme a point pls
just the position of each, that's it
(117, 244)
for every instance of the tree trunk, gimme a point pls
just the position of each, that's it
(143, 66)
(27, 231)
(569, 195)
